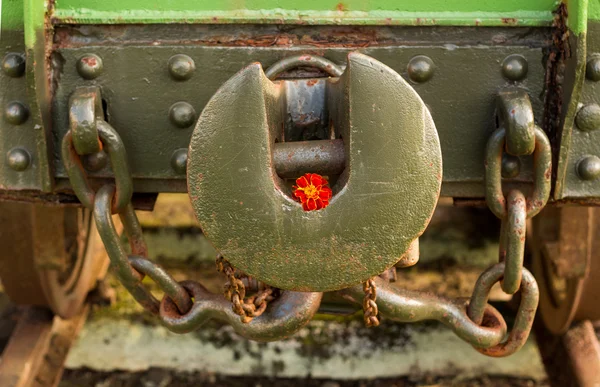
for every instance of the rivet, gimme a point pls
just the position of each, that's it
(16, 113)
(592, 68)
(95, 161)
(13, 65)
(179, 161)
(588, 118)
(420, 68)
(514, 67)
(18, 159)
(511, 166)
(588, 168)
(181, 67)
(182, 114)
(89, 66)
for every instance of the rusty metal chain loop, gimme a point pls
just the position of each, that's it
(516, 208)
(370, 309)
(235, 291)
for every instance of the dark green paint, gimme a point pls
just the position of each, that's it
(382, 201)
(139, 89)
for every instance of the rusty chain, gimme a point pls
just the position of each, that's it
(235, 291)
(266, 315)
(370, 310)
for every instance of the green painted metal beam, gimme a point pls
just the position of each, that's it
(358, 12)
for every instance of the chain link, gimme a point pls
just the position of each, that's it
(370, 309)
(235, 291)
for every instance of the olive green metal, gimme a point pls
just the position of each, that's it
(515, 115)
(592, 68)
(129, 277)
(511, 166)
(172, 288)
(141, 104)
(90, 66)
(588, 168)
(179, 160)
(18, 159)
(284, 316)
(382, 202)
(405, 305)
(514, 67)
(118, 159)
(85, 108)
(181, 67)
(295, 158)
(420, 69)
(182, 114)
(16, 113)
(13, 65)
(542, 160)
(588, 118)
(95, 162)
(303, 61)
(512, 246)
(525, 313)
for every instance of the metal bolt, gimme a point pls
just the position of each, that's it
(420, 69)
(511, 166)
(181, 67)
(514, 67)
(182, 114)
(588, 167)
(18, 159)
(95, 161)
(588, 118)
(89, 66)
(16, 113)
(179, 160)
(13, 65)
(592, 68)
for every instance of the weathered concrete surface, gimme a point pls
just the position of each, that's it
(325, 349)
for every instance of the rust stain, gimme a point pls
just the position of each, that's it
(511, 21)
(341, 7)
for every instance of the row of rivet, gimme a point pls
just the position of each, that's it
(15, 112)
(181, 114)
(588, 120)
(421, 68)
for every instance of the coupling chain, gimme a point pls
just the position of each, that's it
(235, 291)
(370, 309)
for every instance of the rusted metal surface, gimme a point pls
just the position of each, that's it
(47, 257)
(583, 349)
(389, 188)
(38, 347)
(566, 262)
(293, 159)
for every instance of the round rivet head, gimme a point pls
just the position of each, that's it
(420, 69)
(181, 67)
(514, 67)
(588, 118)
(16, 113)
(18, 159)
(511, 166)
(89, 66)
(13, 65)
(95, 161)
(182, 114)
(588, 168)
(592, 68)
(179, 161)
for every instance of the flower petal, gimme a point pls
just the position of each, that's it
(316, 179)
(302, 181)
(305, 206)
(325, 193)
(311, 204)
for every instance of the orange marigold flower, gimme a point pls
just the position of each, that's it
(313, 191)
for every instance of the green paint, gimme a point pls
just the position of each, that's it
(430, 12)
(594, 9)
(12, 14)
(578, 15)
